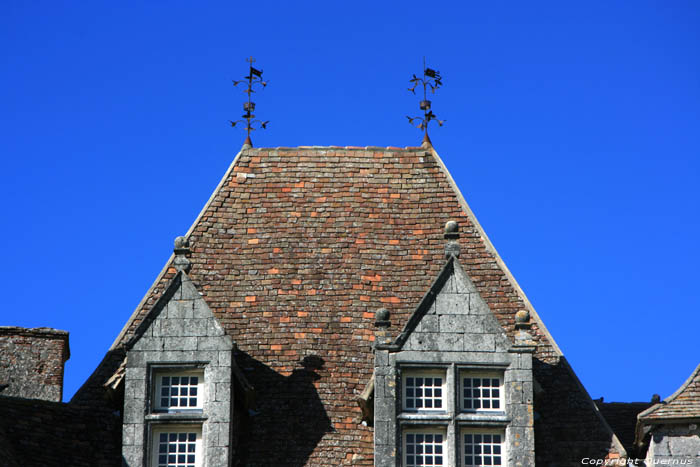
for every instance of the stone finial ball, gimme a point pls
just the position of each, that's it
(522, 316)
(382, 314)
(181, 242)
(451, 227)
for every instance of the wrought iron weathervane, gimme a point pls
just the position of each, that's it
(431, 79)
(254, 77)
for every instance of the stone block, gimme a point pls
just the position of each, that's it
(218, 411)
(217, 456)
(196, 327)
(135, 389)
(452, 304)
(429, 323)
(463, 357)
(134, 410)
(135, 372)
(132, 456)
(519, 375)
(514, 392)
(477, 305)
(179, 309)
(201, 310)
(461, 283)
(218, 374)
(148, 343)
(479, 342)
(385, 455)
(213, 343)
(128, 436)
(381, 358)
(180, 343)
(224, 434)
(528, 392)
(453, 323)
(222, 392)
(172, 328)
(224, 358)
(215, 329)
(521, 415)
(382, 430)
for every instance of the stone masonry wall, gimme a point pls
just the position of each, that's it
(183, 333)
(32, 362)
(674, 443)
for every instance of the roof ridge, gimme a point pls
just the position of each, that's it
(336, 148)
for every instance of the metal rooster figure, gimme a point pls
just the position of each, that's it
(431, 79)
(254, 77)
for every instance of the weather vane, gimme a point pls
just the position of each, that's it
(254, 77)
(431, 79)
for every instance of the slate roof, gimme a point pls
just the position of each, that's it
(683, 404)
(296, 250)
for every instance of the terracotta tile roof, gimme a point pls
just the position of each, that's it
(682, 404)
(296, 250)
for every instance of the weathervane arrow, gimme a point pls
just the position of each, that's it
(431, 79)
(254, 78)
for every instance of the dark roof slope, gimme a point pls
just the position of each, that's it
(682, 404)
(622, 418)
(294, 252)
(44, 433)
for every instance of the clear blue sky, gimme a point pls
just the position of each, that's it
(573, 130)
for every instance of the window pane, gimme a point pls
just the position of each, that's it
(423, 449)
(181, 447)
(481, 393)
(423, 392)
(481, 449)
(179, 392)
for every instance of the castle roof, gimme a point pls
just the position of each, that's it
(295, 251)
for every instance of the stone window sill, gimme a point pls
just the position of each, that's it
(425, 417)
(484, 419)
(176, 417)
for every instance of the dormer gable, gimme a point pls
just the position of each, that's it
(453, 317)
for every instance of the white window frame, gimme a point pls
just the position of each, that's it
(425, 373)
(157, 430)
(159, 373)
(433, 430)
(491, 375)
(474, 431)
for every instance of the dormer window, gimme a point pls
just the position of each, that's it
(177, 391)
(424, 390)
(177, 446)
(482, 448)
(482, 392)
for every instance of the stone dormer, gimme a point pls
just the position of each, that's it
(178, 395)
(452, 386)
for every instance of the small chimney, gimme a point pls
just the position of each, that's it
(36, 360)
